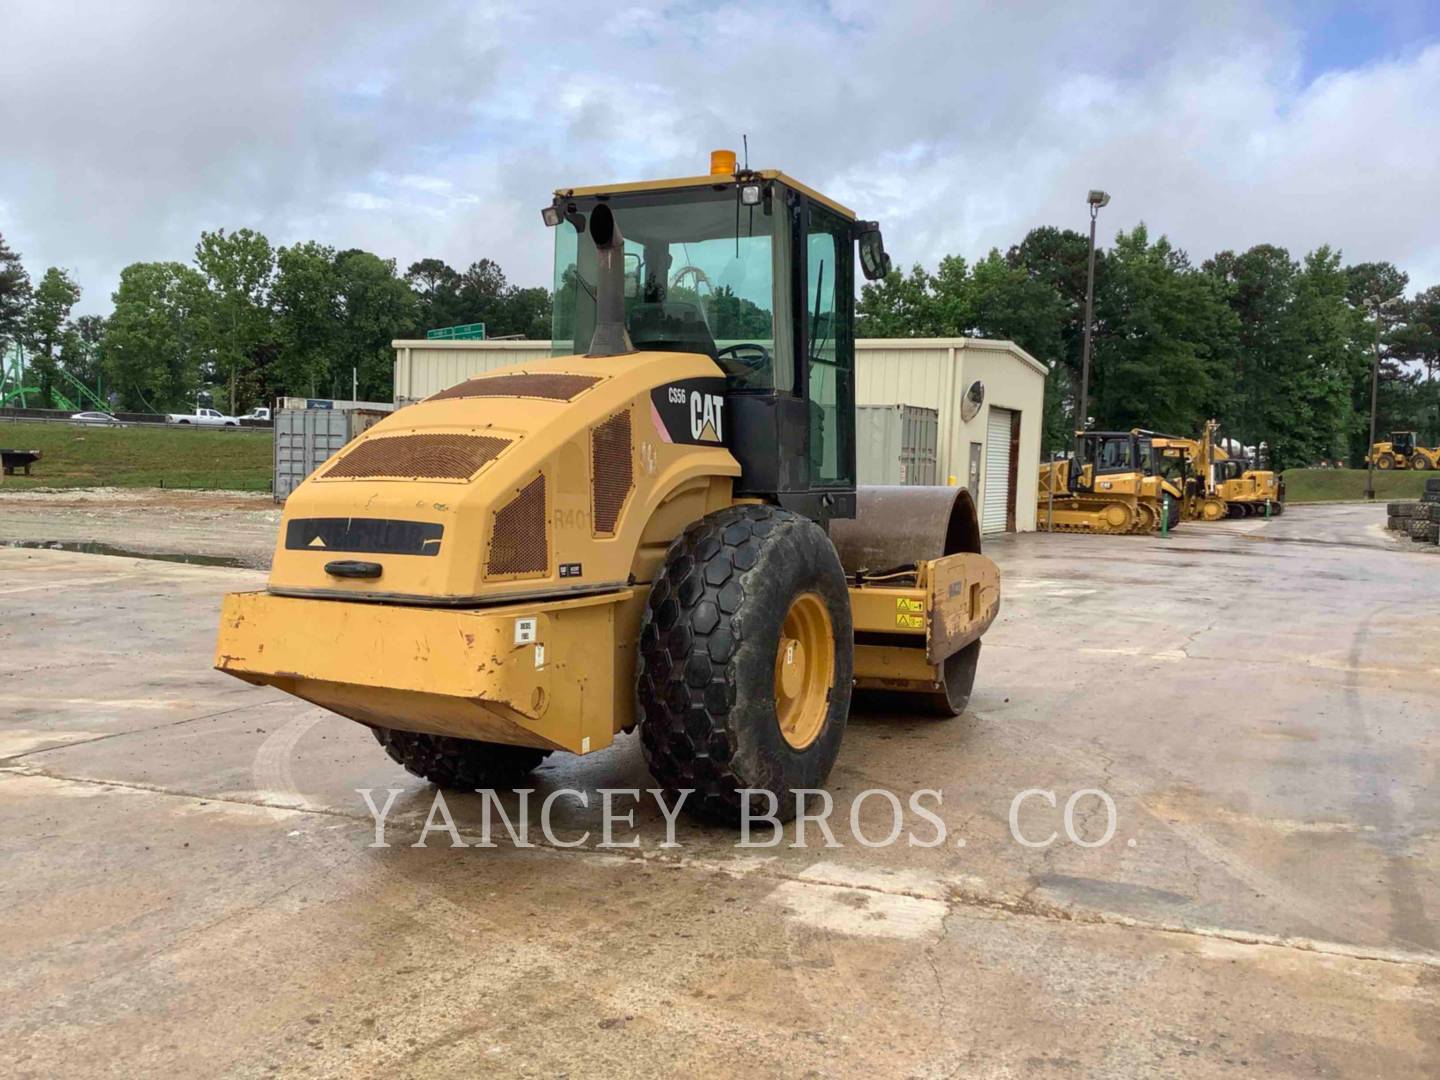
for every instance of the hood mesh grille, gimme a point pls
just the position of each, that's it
(430, 456)
(612, 471)
(550, 385)
(519, 540)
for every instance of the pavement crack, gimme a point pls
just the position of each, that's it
(177, 793)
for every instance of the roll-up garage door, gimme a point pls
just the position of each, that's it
(997, 471)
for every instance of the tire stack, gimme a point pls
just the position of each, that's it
(1419, 519)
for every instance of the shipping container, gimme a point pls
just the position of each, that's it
(895, 444)
(306, 438)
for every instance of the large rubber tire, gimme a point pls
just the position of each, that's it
(705, 681)
(1403, 509)
(1433, 484)
(1397, 524)
(459, 764)
(1385, 462)
(1430, 497)
(1420, 462)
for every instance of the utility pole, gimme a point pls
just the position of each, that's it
(1096, 199)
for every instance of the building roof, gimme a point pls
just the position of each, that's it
(703, 181)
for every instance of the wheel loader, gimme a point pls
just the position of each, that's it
(659, 527)
(1111, 484)
(1402, 452)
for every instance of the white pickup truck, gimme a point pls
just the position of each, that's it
(203, 418)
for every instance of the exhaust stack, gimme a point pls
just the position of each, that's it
(610, 337)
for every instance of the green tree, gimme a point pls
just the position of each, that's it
(239, 270)
(306, 298)
(1164, 353)
(1309, 405)
(45, 326)
(436, 285)
(151, 351)
(375, 307)
(14, 295)
(1259, 285)
(1058, 260)
(898, 306)
(80, 349)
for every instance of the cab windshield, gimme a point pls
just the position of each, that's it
(700, 276)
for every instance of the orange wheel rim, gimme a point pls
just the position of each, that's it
(804, 670)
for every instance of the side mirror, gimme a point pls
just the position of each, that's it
(874, 263)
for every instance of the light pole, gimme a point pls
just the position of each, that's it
(1096, 199)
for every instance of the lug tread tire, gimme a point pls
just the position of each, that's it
(1397, 524)
(1403, 509)
(704, 680)
(1433, 484)
(459, 764)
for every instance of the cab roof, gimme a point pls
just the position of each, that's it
(722, 180)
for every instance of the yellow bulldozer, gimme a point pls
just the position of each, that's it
(1214, 484)
(658, 528)
(1111, 484)
(1401, 452)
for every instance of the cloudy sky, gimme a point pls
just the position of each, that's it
(439, 128)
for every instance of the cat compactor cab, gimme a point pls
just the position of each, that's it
(658, 527)
(1112, 484)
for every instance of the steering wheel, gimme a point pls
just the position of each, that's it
(748, 363)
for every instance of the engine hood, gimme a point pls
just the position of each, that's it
(529, 481)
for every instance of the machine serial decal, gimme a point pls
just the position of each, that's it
(691, 411)
(370, 536)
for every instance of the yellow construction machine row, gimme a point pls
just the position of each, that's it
(659, 527)
(1124, 481)
(1215, 485)
(1110, 485)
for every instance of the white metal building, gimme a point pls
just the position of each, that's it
(991, 445)
(995, 452)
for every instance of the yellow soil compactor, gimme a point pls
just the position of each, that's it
(659, 527)
(1112, 484)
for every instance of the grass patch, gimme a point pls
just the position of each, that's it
(235, 460)
(1337, 485)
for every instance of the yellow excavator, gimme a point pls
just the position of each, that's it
(1215, 485)
(1402, 452)
(657, 528)
(1111, 484)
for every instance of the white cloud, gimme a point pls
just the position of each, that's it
(440, 129)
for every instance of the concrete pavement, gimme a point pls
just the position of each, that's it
(189, 886)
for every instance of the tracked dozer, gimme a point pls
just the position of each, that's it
(1112, 484)
(658, 527)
